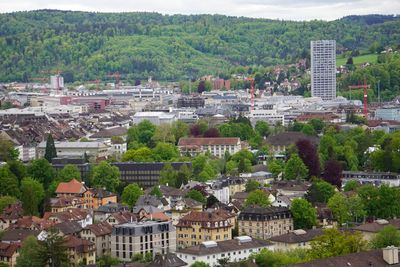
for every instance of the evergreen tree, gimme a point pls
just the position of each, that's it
(51, 151)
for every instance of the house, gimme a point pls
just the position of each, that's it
(96, 197)
(369, 230)
(379, 257)
(61, 204)
(236, 184)
(145, 200)
(167, 260)
(80, 250)
(102, 212)
(18, 235)
(142, 237)
(9, 253)
(82, 216)
(217, 146)
(199, 226)
(278, 143)
(374, 178)
(295, 239)
(325, 216)
(121, 217)
(10, 215)
(281, 201)
(184, 207)
(100, 235)
(73, 188)
(209, 252)
(220, 189)
(265, 223)
(68, 228)
(291, 188)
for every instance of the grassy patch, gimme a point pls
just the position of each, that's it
(371, 58)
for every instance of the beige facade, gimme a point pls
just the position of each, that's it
(264, 223)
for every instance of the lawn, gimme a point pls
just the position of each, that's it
(371, 58)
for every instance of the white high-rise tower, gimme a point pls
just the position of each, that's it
(323, 69)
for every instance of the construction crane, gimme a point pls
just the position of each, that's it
(116, 76)
(251, 92)
(365, 86)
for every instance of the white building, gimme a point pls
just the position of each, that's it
(57, 82)
(154, 117)
(323, 69)
(210, 252)
(269, 115)
(217, 146)
(76, 149)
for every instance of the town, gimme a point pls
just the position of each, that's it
(272, 169)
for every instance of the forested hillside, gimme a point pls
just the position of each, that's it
(87, 46)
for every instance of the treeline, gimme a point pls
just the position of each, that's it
(87, 46)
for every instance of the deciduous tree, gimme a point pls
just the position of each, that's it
(68, 173)
(106, 176)
(32, 193)
(259, 198)
(304, 214)
(131, 194)
(295, 169)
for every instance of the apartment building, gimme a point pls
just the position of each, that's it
(80, 250)
(323, 69)
(209, 252)
(142, 237)
(217, 146)
(100, 235)
(265, 223)
(199, 226)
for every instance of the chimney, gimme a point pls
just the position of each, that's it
(391, 255)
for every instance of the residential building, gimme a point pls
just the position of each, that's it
(220, 189)
(61, 204)
(278, 143)
(369, 230)
(295, 239)
(82, 216)
(101, 213)
(217, 146)
(100, 235)
(73, 188)
(323, 69)
(281, 201)
(92, 150)
(142, 237)
(9, 253)
(209, 252)
(80, 250)
(96, 197)
(265, 223)
(166, 260)
(121, 217)
(375, 178)
(199, 226)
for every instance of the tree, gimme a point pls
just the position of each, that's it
(276, 167)
(32, 193)
(211, 132)
(309, 155)
(349, 61)
(106, 176)
(304, 215)
(335, 243)
(244, 165)
(29, 255)
(142, 154)
(179, 130)
(68, 173)
(53, 250)
(131, 194)
(42, 171)
(211, 201)
(259, 198)
(165, 152)
(183, 176)
(333, 173)
(199, 264)
(196, 195)
(168, 175)
(7, 150)
(351, 185)
(262, 128)
(337, 204)
(320, 192)
(277, 258)
(252, 185)
(388, 236)
(51, 151)
(106, 261)
(141, 133)
(5, 201)
(308, 130)
(201, 87)
(295, 168)
(164, 134)
(156, 192)
(8, 182)
(18, 169)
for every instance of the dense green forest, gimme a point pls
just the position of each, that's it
(87, 46)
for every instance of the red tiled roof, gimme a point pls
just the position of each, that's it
(72, 187)
(100, 229)
(80, 245)
(7, 249)
(198, 141)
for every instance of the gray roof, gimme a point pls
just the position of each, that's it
(224, 246)
(60, 145)
(143, 227)
(167, 260)
(68, 228)
(148, 200)
(108, 133)
(112, 207)
(147, 208)
(297, 237)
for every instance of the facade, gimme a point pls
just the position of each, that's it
(154, 117)
(238, 249)
(80, 250)
(142, 237)
(269, 115)
(217, 146)
(145, 174)
(392, 114)
(265, 223)
(190, 102)
(199, 226)
(9, 253)
(76, 149)
(323, 69)
(296, 239)
(375, 178)
(100, 235)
